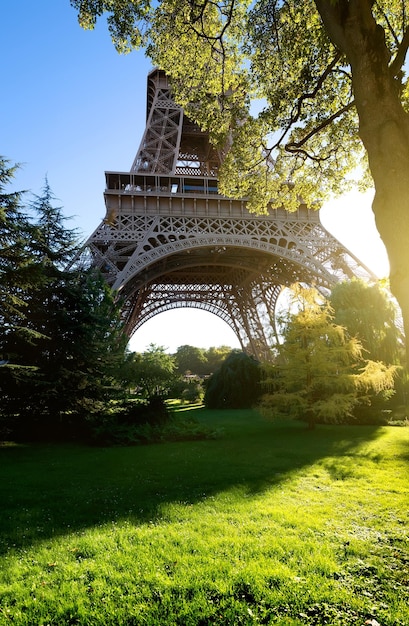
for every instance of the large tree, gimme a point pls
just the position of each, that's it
(19, 274)
(190, 360)
(215, 357)
(329, 78)
(17, 269)
(61, 339)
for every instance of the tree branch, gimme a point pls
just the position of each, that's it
(399, 60)
(385, 17)
(320, 82)
(295, 146)
(295, 117)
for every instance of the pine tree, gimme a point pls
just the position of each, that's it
(72, 340)
(18, 274)
(15, 267)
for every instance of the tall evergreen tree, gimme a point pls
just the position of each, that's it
(15, 267)
(18, 274)
(36, 347)
(73, 336)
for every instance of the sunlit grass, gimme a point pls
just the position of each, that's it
(267, 524)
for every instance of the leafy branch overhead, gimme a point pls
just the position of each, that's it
(264, 79)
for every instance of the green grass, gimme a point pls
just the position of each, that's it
(267, 524)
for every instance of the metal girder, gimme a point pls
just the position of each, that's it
(169, 239)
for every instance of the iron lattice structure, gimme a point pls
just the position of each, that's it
(170, 239)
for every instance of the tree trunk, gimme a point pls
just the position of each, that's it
(385, 134)
(383, 128)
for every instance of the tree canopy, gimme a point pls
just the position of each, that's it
(235, 385)
(303, 99)
(200, 361)
(369, 314)
(152, 372)
(191, 360)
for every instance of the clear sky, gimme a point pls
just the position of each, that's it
(72, 108)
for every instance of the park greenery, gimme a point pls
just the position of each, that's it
(266, 523)
(320, 372)
(236, 384)
(302, 99)
(222, 516)
(66, 373)
(61, 337)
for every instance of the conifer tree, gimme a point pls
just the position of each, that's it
(14, 266)
(36, 348)
(18, 274)
(320, 374)
(70, 339)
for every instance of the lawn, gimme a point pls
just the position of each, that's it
(268, 523)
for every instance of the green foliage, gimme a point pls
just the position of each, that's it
(129, 422)
(193, 391)
(369, 314)
(215, 357)
(200, 361)
(122, 21)
(236, 385)
(187, 389)
(18, 271)
(320, 374)
(191, 360)
(152, 372)
(141, 422)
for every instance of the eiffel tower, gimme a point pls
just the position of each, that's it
(170, 239)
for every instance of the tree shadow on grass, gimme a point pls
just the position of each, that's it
(47, 491)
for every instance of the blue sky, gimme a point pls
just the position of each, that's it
(72, 108)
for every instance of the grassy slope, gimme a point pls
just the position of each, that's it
(268, 524)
